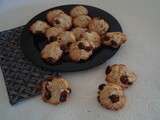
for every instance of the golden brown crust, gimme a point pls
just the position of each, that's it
(114, 39)
(81, 21)
(93, 38)
(39, 27)
(51, 52)
(78, 32)
(81, 50)
(111, 96)
(78, 10)
(98, 25)
(55, 90)
(65, 39)
(53, 32)
(52, 14)
(63, 20)
(119, 74)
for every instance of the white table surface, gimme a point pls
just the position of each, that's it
(140, 20)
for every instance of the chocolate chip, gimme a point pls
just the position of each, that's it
(107, 38)
(124, 80)
(69, 89)
(113, 43)
(50, 78)
(89, 48)
(81, 45)
(68, 44)
(57, 22)
(100, 87)
(108, 70)
(51, 60)
(63, 96)
(114, 98)
(47, 95)
(98, 98)
(52, 39)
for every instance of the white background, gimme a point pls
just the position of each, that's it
(140, 20)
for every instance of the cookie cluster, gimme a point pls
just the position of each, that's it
(111, 95)
(75, 34)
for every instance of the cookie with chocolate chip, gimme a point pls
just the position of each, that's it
(111, 96)
(55, 90)
(80, 50)
(120, 74)
(52, 52)
(114, 39)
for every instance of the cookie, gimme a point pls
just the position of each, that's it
(52, 14)
(93, 38)
(98, 25)
(39, 27)
(55, 90)
(62, 20)
(52, 52)
(119, 74)
(81, 50)
(114, 39)
(81, 21)
(53, 32)
(65, 39)
(78, 32)
(111, 96)
(78, 11)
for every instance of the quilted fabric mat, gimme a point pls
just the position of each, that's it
(20, 75)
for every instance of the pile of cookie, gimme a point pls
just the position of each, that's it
(55, 89)
(75, 34)
(118, 78)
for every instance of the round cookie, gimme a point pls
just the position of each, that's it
(39, 27)
(78, 32)
(52, 14)
(78, 10)
(55, 90)
(93, 38)
(81, 21)
(111, 96)
(62, 20)
(65, 39)
(98, 25)
(114, 39)
(81, 50)
(52, 52)
(53, 32)
(119, 74)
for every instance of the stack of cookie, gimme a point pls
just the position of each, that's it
(75, 34)
(119, 78)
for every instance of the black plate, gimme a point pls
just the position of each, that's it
(31, 47)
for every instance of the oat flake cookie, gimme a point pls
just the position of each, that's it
(63, 20)
(119, 74)
(52, 52)
(82, 21)
(55, 90)
(78, 10)
(81, 50)
(114, 39)
(53, 32)
(52, 14)
(111, 96)
(39, 27)
(66, 39)
(98, 25)
(78, 32)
